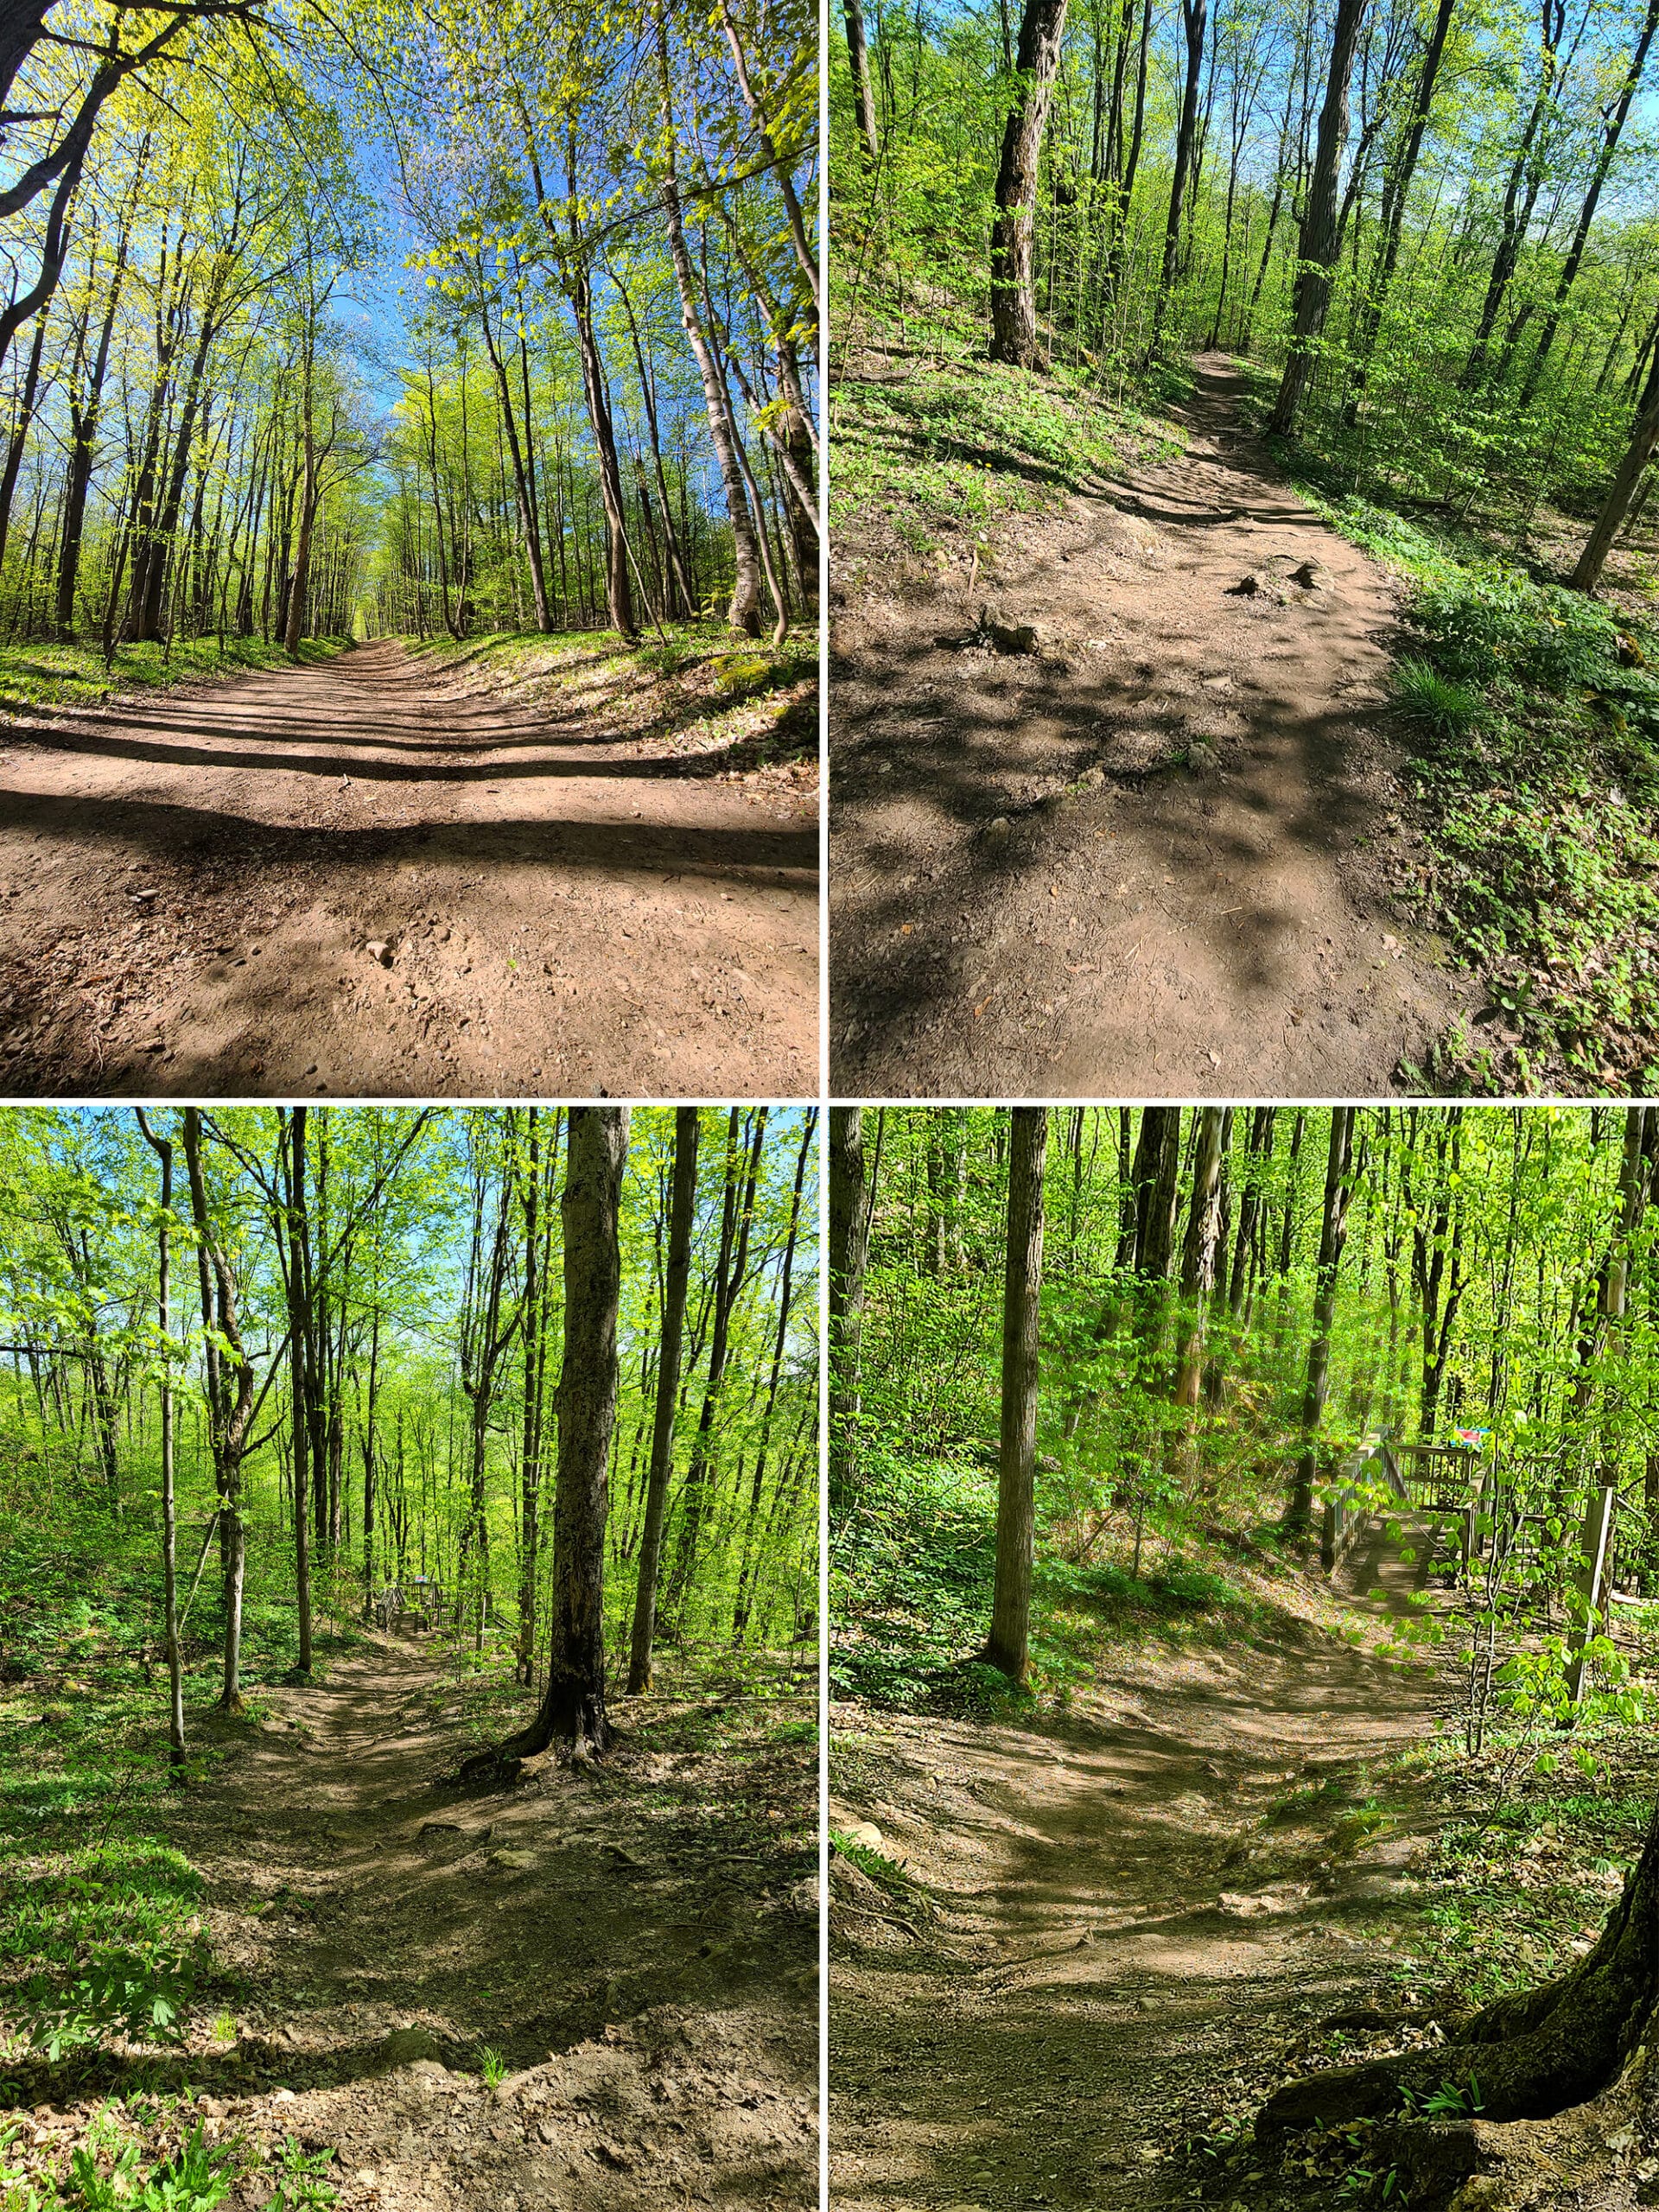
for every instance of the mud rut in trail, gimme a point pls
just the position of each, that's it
(1192, 892)
(1123, 1923)
(566, 901)
(652, 1987)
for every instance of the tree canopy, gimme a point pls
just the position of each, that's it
(360, 1368)
(403, 320)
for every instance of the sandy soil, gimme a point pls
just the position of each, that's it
(1155, 857)
(357, 879)
(649, 1983)
(1128, 1909)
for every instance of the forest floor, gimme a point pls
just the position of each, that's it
(1155, 854)
(569, 869)
(1118, 1910)
(633, 1940)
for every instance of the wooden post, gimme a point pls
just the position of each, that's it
(1470, 1519)
(1591, 1575)
(1328, 1536)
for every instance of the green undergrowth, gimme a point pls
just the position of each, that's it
(1530, 715)
(100, 1935)
(1519, 1855)
(884, 1872)
(695, 688)
(912, 1564)
(1527, 1854)
(75, 674)
(935, 445)
(151, 2155)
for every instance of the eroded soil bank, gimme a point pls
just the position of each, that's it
(635, 1938)
(1155, 856)
(371, 877)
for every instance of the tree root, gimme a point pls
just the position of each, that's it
(1524, 2057)
(493, 1767)
(892, 1919)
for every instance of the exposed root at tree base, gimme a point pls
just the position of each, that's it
(1602, 2156)
(1566, 2053)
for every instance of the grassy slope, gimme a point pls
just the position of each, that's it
(87, 1881)
(75, 676)
(911, 1576)
(1533, 723)
(1530, 715)
(697, 690)
(937, 449)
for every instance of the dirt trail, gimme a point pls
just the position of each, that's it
(651, 1982)
(567, 902)
(1152, 858)
(1133, 1904)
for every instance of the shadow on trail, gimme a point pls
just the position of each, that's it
(594, 1929)
(1001, 926)
(137, 825)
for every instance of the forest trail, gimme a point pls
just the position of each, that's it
(1135, 1900)
(559, 900)
(1189, 893)
(649, 1977)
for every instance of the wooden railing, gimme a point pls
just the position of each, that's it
(1350, 1505)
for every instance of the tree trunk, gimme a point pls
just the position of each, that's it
(53, 250)
(1320, 239)
(851, 1212)
(785, 1286)
(1612, 131)
(1644, 441)
(535, 1327)
(1007, 1648)
(1194, 23)
(731, 1273)
(1524, 172)
(1332, 1233)
(1156, 1195)
(230, 1402)
(573, 1708)
(1199, 1258)
(1014, 292)
(300, 582)
(687, 1129)
(484, 1343)
(863, 101)
(163, 1150)
(522, 484)
(299, 1333)
(619, 594)
(1397, 188)
(1534, 2054)
(743, 615)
